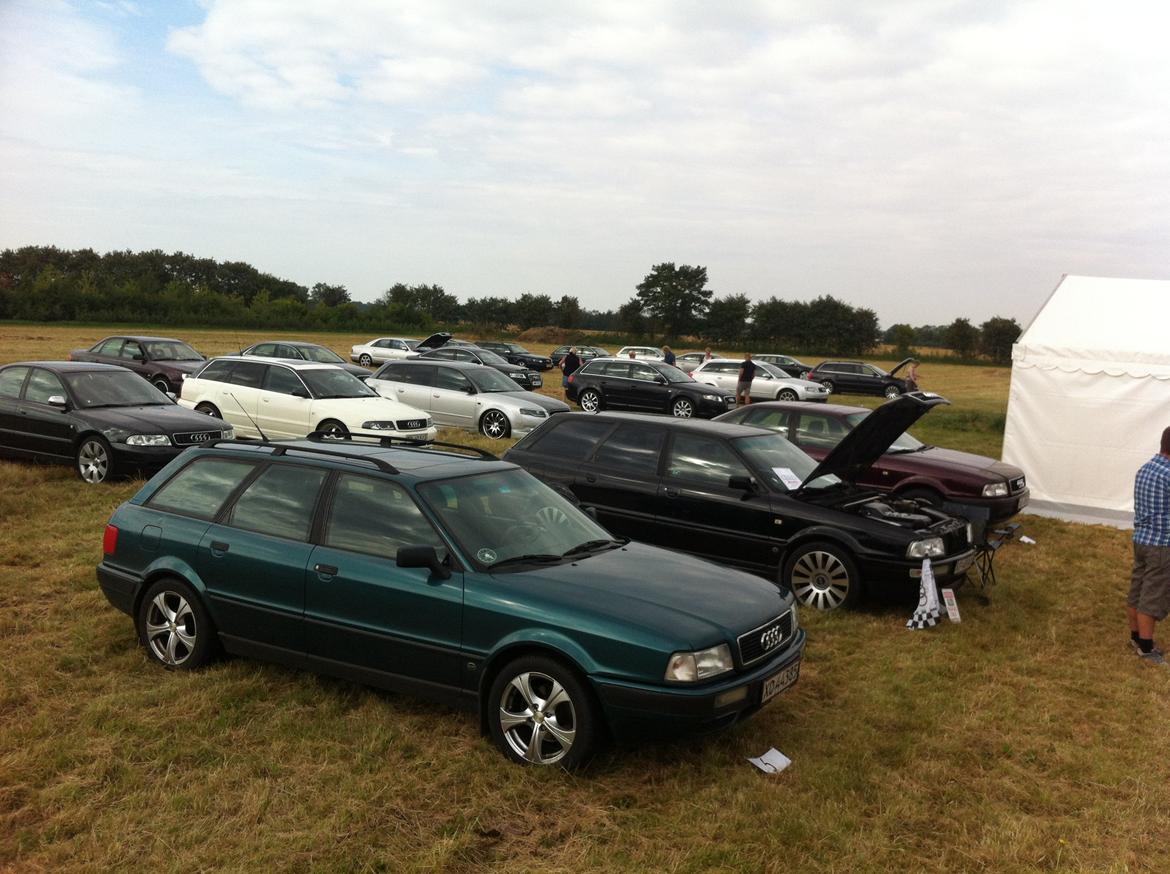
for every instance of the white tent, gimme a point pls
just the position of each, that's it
(1090, 396)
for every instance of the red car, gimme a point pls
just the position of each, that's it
(975, 486)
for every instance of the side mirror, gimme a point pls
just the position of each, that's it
(423, 556)
(470, 389)
(299, 393)
(660, 379)
(742, 484)
(58, 401)
(139, 357)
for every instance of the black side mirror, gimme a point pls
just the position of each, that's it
(742, 483)
(470, 389)
(660, 379)
(299, 393)
(423, 556)
(139, 357)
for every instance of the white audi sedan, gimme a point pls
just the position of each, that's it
(269, 398)
(770, 384)
(641, 352)
(381, 350)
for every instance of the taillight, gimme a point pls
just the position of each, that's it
(572, 377)
(110, 541)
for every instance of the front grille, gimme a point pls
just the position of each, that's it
(762, 641)
(1017, 485)
(192, 438)
(955, 535)
(410, 424)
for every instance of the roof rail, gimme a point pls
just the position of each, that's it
(282, 449)
(401, 442)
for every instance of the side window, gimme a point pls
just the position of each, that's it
(11, 379)
(450, 379)
(132, 350)
(774, 420)
(642, 372)
(247, 373)
(279, 502)
(376, 517)
(283, 380)
(217, 371)
(461, 355)
(866, 370)
(819, 430)
(265, 350)
(616, 368)
(632, 448)
(703, 460)
(42, 385)
(110, 347)
(381, 344)
(396, 373)
(201, 487)
(855, 369)
(571, 440)
(285, 351)
(397, 344)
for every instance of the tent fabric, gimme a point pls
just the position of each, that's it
(1090, 395)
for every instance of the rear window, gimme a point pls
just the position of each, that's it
(572, 440)
(201, 487)
(11, 380)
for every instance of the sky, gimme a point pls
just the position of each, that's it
(928, 160)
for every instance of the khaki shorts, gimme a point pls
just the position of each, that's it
(1149, 590)
(743, 388)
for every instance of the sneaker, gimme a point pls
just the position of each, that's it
(1133, 643)
(1153, 657)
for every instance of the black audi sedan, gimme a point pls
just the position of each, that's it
(655, 386)
(746, 497)
(514, 353)
(523, 376)
(102, 419)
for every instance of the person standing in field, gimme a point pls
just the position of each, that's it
(667, 355)
(569, 365)
(1149, 591)
(707, 356)
(743, 385)
(912, 376)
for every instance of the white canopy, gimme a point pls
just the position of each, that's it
(1090, 395)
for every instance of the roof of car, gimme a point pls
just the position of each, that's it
(832, 409)
(141, 338)
(286, 343)
(423, 361)
(294, 363)
(73, 366)
(706, 426)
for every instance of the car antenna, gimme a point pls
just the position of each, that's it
(263, 436)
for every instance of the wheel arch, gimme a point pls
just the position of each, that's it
(819, 534)
(170, 566)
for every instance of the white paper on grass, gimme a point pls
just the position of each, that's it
(952, 605)
(772, 762)
(791, 481)
(1024, 538)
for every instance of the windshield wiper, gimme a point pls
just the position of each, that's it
(527, 558)
(590, 545)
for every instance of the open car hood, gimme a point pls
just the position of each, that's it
(900, 365)
(866, 443)
(434, 341)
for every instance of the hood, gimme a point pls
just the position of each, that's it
(183, 366)
(946, 460)
(866, 443)
(372, 407)
(360, 372)
(508, 367)
(534, 399)
(900, 365)
(679, 598)
(170, 419)
(439, 338)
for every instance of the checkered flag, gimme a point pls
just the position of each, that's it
(927, 613)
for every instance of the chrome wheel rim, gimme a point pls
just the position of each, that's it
(787, 396)
(820, 580)
(495, 425)
(170, 628)
(828, 385)
(365, 360)
(538, 718)
(589, 402)
(93, 461)
(683, 409)
(892, 392)
(162, 385)
(333, 431)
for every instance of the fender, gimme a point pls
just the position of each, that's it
(821, 532)
(171, 566)
(553, 642)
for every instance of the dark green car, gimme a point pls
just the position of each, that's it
(461, 579)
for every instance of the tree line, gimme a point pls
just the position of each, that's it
(44, 283)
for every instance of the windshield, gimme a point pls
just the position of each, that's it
(771, 369)
(779, 462)
(673, 374)
(330, 383)
(905, 442)
(487, 379)
(321, 354)
(171, 350)
(112, 389)
(505, 514)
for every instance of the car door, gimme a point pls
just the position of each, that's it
(648, 389)
(283, 404)
(409, 383)
(720, 374)
(254, 557)
(13, 434)
(698, 512)
(874, 383)
(621, 480)
(361, 608)
(109, 351)
(613, 378)
(239, 399)
(133, 356)
(263, 350)
(48, 429)
(453, 399)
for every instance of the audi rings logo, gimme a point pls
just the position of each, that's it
(202, 437)
(771, 638)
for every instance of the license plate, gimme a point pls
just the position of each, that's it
(777, 683)
(537, 381)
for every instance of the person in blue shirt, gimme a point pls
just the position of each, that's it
(1149, 592)
(667, 355)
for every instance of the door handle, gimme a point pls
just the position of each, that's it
(218, 547)
(671, 493)
(590, 478)
(325, 570)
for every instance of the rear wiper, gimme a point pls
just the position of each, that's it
(528, 558)
(590, 545)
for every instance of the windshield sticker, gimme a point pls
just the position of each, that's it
(487, 556)
(790, 480)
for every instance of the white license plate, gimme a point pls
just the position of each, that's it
(537, 381)
(777, 683)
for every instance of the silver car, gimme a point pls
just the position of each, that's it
(458, 394)
(381, 349)
(688, 361)
(770, 384)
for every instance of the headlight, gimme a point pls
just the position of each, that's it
(995, 490)
(711, 397)
(378, 426)
(928, 548)
(148, 440)
(690, 667)
(533, 412)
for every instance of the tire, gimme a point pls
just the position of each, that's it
(892, 391)
(786, 394)
(822, 576)
(174, 626)
(590, 401)
(208, 409)
(829, 386)
(365, 360)
(95, 460)
(334, 430)
(161, 384)
(682, 408)
(494, 425)
(526, 729)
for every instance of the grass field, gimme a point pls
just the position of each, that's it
(1026, 738)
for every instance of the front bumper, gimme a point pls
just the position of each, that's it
(900, 571)
(637, 710)
(422, 434)
(709, 409)
(148, 459)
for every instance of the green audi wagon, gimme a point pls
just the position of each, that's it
(462, 579)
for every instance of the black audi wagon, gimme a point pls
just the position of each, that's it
(654, 386)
